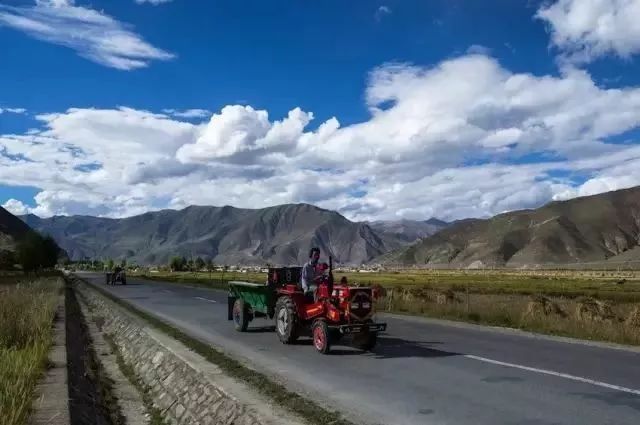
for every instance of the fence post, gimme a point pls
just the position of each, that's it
(468, 301)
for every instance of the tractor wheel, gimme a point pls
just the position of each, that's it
(240, 315)
(321, 336)
(365, 340)
(286, 318)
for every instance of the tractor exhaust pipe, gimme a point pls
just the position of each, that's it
(330, 282)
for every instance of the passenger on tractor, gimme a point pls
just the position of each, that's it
(310, 274)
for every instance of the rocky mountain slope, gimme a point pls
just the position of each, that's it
(587, 229)
(403, 232)
(279, 235)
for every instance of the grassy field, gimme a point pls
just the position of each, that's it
(584, 304)
(618, 287)
(27, 309)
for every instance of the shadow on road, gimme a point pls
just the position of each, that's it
(390, 348)
(261, 329)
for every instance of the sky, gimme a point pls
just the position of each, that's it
(380, 110)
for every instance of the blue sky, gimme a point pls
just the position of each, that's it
(121, 85)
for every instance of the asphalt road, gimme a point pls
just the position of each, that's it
(421, 372)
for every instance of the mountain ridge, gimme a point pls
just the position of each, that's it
(583, 229)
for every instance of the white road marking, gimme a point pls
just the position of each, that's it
(167, 291)
(559, 374)
(206, 299)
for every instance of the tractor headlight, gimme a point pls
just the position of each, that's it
(366, 305)
(355, 305)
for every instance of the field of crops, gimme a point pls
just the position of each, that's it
(27, 308)
(585, 304)
(619, 287)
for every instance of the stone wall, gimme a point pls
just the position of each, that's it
(184, 386)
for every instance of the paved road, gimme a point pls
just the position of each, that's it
(421, 372)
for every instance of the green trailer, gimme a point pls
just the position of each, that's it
(247, 300)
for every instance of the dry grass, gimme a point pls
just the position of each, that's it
(26, 313)
(585, 318)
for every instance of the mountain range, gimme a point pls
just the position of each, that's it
(603, 227)
(279, 235)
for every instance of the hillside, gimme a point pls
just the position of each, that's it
(587, 229)
(11, 228)
(278, 235)
(403, 232)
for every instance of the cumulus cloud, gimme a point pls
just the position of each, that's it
(15, 207)
(243, 134)
(463, 138)
(587, 29)
(92, 34)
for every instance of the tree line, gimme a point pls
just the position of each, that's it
(182, 264)
(33, 252)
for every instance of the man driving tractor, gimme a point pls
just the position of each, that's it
(311, 273)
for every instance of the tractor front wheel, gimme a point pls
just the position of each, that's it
(286, 318)
(321, 336)
(240, 315)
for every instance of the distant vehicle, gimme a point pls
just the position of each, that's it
(336, 310)
(117, 276)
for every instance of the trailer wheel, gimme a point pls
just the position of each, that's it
(321, 336)
(365, 340)
(240, 315)
(286, 318)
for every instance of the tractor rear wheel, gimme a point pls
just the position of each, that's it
(365, 340)
(286, 318)
(321, 336)
(240, 315)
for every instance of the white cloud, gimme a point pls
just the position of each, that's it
(92, 34)
(153, 2)
(587, 29)
(465, 137)
(15, 207)
(13, 110)
(188, 113)
(382, 11)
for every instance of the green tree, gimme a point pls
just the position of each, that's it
(209, 266)
(177, 264)
(7, 259)
(190, 265)
(199, 263)
(110, 264)
(35, 252)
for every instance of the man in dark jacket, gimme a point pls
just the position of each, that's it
(309, 273)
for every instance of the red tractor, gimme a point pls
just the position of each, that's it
(334, 312)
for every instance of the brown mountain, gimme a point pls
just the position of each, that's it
(586, 229)
(279, 235)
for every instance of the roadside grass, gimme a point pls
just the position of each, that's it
(27, 310)
(583, 318)
(494, 298)
(311, 411)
